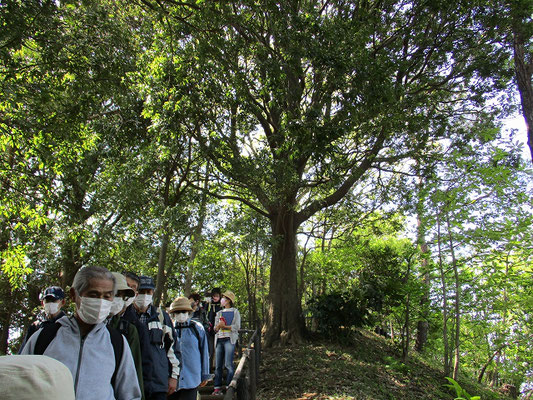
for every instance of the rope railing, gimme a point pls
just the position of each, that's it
(246, 378)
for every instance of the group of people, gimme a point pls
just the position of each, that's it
(118, 345)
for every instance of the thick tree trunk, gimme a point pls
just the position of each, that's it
(523, 70)
(284, 321)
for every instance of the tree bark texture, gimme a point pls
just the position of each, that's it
(523, 72)
(284, 322)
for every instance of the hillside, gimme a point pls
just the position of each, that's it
(369, 368)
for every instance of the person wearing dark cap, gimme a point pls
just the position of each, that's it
(52, 300)
(212, 306)
(160, 364)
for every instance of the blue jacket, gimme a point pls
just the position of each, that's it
(158, 350)
(194, 356)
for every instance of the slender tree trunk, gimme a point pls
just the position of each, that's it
(196, 238)
(457, 301)
(485, 366)
(161, 265)
(301, 285)
(257, 262)
(444, 305)
(422, 327)
(6, 313)
(71, 260)
(284, 322)
(169, 270)
(423, 324)
(405, 339)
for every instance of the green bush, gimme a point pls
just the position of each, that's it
(337, 312)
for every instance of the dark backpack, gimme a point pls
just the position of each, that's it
(49, 333)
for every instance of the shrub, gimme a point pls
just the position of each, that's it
(337, 312)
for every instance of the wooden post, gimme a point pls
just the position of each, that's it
(257, 350)
(252, 374)
(242, 388)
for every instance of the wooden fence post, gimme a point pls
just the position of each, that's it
(257, 351)
(252, 373)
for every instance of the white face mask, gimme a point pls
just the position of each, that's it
(143, 300)
(51, 308)
(117, 305)
(180, 318)
(129, 302)
(93, 311)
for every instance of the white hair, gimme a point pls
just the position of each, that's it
(84, 275)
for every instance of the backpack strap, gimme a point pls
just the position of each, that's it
(124, 327)
(118, 349)
(194, 330)
(47, 334)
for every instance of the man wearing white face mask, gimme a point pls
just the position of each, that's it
(160, 364)
(52, 300)
(98, 357)
(124, 297)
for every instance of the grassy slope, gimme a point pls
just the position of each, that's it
(367, 369)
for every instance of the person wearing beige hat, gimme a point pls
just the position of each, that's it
(193, 349)
(124, 296)
(227, 325)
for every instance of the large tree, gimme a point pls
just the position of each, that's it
(297, 102)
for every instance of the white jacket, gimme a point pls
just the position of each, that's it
(235, 325)
(91, 361)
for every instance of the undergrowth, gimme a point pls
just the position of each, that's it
(369, 367)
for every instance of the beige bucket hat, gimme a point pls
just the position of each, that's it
(230, 295)
(180, 304)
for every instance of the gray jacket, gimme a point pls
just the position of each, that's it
(91, 361)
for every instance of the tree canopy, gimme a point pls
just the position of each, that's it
(281, 149)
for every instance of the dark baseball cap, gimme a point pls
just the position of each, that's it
(146, 282)
(53, 291)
